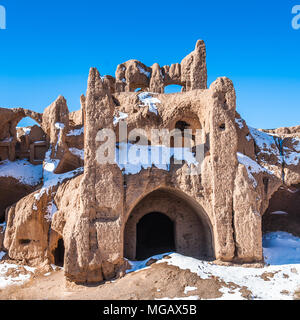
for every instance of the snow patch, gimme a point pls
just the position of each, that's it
(279, 212)
(7, 140)
(76, 132)
(77, 152)
(3, 226)
(230, 294)
(9, 280)
(248, 137)
(292, 157)
(279, 280)
(121, 116)
(265, 142)
(22, 170)
(284, 277)
(51, 209)
(251, 166)
(26, 131)
(188, 289)
(2, 254)
(52, 179)
(139, 265)
(239, 122)
(142, 70)
(181, 298)
(281, 248)
(59, 125)
(136, 162)
(149, 101)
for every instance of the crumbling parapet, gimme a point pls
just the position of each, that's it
(191, 74)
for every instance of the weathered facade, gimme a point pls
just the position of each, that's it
(94, 215)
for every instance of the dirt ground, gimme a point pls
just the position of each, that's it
(156, 282)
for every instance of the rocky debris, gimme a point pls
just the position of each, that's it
(284, 131)
(151, 261)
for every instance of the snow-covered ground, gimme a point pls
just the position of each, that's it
(22, 170)
(279, 279)
(122, 116)
(251, 166)
(50, 178)
(281, 248)
(17, 278)
(77, 152)
(148, 100)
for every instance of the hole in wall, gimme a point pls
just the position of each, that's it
(24, 241)
(222, 126)
(173, 88)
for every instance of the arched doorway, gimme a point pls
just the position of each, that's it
(31, 141)
(26, 145)
(168, 220)
(154, 235)
(283, 213)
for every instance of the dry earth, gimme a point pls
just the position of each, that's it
(156, 282)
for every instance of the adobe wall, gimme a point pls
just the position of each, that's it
(104, 198)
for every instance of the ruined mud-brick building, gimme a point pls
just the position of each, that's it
(73, 211)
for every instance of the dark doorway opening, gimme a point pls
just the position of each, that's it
(59, 253)
(283, 213)
(182, 125)
(155, 235)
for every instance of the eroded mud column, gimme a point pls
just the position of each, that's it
(223, 142)
(96, 248)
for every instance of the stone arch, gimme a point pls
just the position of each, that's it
(187, 121)
(193, 234)
(191, 120)
(9, 120)
(31, 142)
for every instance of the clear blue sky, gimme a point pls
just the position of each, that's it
(49, 46)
